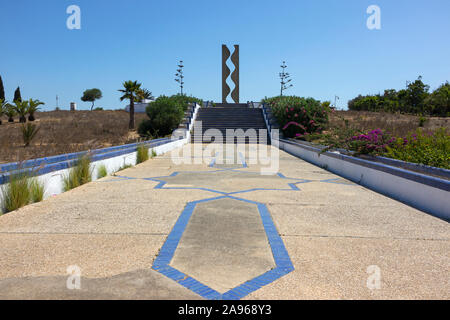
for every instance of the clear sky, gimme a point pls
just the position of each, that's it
(326, 44)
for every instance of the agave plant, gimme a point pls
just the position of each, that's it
(10, 112)
(3, 105)
(29, 131)
(21, 107)
(33, 106)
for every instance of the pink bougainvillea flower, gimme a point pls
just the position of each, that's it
(293, 123)
(296, 115)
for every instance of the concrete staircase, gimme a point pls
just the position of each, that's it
(230, 116)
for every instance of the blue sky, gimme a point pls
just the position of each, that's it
(326, 44)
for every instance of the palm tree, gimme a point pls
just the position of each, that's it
(3, 105)
(10, 112)
(144, 94)
(131, 91)
(33, 107)
(21, 108)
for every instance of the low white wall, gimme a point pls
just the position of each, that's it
(53, 181)
(194, 116)
(432, 200)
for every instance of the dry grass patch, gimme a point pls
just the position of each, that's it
(66, 132)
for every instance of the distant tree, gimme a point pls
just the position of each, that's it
(130, 91)
(21, 108)
(285, 78)
(414, 96)
(180, 76)
(3, 105)
(33, 106)
(17, 95)
(2, 90)
(91, 95)
(10, 112)
(438, 103)
(389, 102)
(353, 103)
(414, 99)
(144, 94)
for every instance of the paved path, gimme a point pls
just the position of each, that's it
(166, 231)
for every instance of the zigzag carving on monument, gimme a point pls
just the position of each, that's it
(235, 74)
(225, 73)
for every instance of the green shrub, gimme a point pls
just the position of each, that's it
(298, 116)
(154, 154)
(21, 190)
(146, 130)
(79, 174)
(16, 194)
(141, 154)
(102, 171)
(37, 190)
(422, 121)
(423, 148)
(183, 101)
(165, 114)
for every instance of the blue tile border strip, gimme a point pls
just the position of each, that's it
(47, 165)
(71, 156)
(162, 183)
(281, 257)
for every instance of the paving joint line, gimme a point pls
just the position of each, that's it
(360, 237)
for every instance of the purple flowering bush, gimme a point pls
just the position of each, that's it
(374, 142)
(427, 148)
(432, 149)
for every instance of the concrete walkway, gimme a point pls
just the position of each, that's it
(218, 231)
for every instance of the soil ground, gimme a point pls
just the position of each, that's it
(65, 132)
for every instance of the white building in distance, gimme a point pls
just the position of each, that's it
(139, 107)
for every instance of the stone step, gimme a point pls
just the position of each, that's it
(233, 117)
